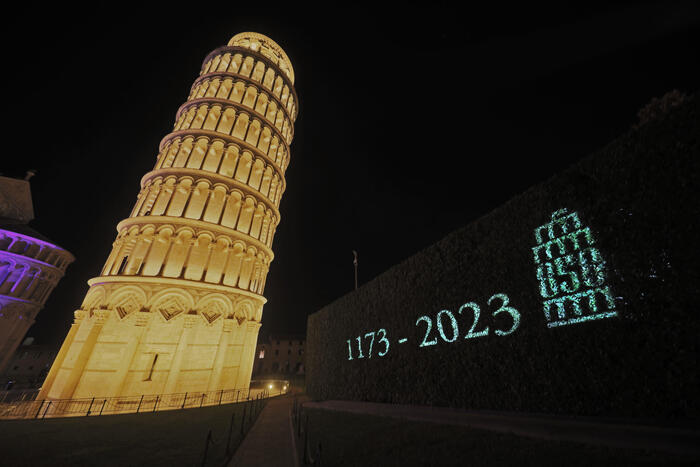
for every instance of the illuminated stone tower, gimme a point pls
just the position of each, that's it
(178, 305)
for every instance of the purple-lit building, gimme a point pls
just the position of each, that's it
(30, 265)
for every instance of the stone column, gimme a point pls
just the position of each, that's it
(67, 390)
(247, 354)
(215, 378)
(140, 325)
(58, 362)
(236, 349)
(188, 323)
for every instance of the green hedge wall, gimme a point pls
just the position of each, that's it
(639, 196)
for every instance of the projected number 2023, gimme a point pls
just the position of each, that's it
(447, 325)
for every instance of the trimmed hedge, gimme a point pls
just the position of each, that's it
(639, 196)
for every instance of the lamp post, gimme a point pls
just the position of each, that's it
(354, 262)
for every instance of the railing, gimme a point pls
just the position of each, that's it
(306, 454)
(14, 395)
(96, 406)
(251, 410)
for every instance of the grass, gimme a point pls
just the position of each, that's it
(172, 438)
(359, 440)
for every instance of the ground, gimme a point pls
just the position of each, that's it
(167, 438)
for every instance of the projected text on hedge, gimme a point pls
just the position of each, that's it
(444, 326)
(571, 274)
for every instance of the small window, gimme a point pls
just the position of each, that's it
(277, 352)
(301, 352)
(153, 365)
(289, 352)
(123, 264)
(278, 342)
(290, 342)
(262, 354)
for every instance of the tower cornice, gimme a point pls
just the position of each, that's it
(230, 74)
(244, 50)
(239, 107)
(215, 178)
(227, 138)
(263, 42)
(19, 258)
(175, 282)
(197, 225)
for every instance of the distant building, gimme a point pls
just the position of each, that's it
(28, 366)
(280, 356)
(30, 265)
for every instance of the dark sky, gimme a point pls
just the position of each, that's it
(411, 123)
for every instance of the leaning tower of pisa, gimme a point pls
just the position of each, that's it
(178, 304)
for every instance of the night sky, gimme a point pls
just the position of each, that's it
(411, 123)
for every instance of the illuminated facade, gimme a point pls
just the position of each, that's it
(179, 302)
(30, 266)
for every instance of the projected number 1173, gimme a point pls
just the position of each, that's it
(377, 342)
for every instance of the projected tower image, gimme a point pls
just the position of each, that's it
(178, 304)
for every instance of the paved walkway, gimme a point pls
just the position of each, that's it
(591, 430)
(270, 442)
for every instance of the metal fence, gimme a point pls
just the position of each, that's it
(247, 417)
(307, 454)
(14, 395)
(96, 406)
